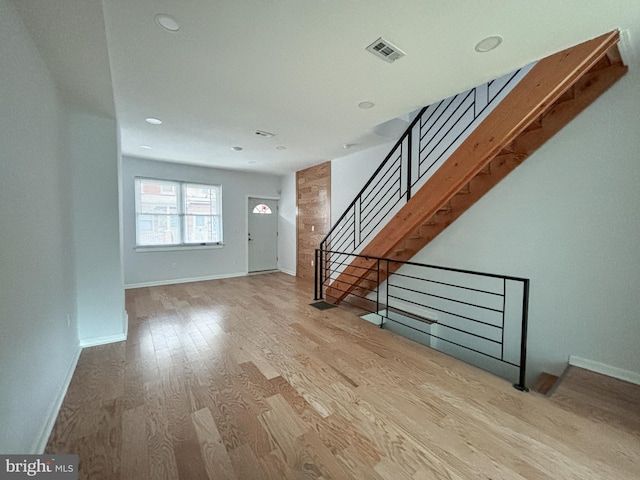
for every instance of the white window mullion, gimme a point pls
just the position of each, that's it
(183, 233)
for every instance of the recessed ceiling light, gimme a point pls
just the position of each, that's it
(281, 147)
(366, 105)
(236, 149)
(153, 121)
(146, 147)
(349, 145)
(252, 162)
(262, 133)
(167, 22)
(488, 44)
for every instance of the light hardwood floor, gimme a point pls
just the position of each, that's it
(242, 379)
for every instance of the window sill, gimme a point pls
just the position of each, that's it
(170, 248)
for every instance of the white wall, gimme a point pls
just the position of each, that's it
(287, 225)
(568, 220)
(158, 267)
(350, 173)
(96, 220)
(37, 349)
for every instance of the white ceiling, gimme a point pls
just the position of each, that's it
(296, 68)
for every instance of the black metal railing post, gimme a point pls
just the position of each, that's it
(409, 163)
(386, 296)
(523, 339)
(316, 275)
(378, 287)
(323, 273)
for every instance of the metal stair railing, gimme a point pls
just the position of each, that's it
(478, 317)
(427, 142)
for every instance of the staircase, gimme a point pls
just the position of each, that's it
(554, 92)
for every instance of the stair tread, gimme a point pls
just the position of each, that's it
(616, 391)
(544, 383)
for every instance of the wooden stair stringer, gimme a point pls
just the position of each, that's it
(507, 133)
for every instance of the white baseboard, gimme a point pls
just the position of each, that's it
(288, 272)
(615, 372)
(125, 323)
(184, 280)
(42, 439)
(95, 341)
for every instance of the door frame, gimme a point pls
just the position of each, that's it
(246, 226)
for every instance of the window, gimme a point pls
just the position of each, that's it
(177, 213)
(262, 209)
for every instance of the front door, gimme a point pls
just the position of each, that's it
(263, 234)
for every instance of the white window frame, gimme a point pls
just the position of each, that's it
(180, 215)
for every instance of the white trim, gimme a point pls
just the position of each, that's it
(615, 372)
(626, 47)
(41, 440)
(288, 272)
(125, 323)
(168, 248)
(184, 280)
(262, 272)
(95, 341)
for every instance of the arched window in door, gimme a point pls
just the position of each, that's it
(262, 209)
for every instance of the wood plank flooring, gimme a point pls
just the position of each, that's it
(242, 379)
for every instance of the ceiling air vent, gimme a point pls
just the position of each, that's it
(385, 50)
